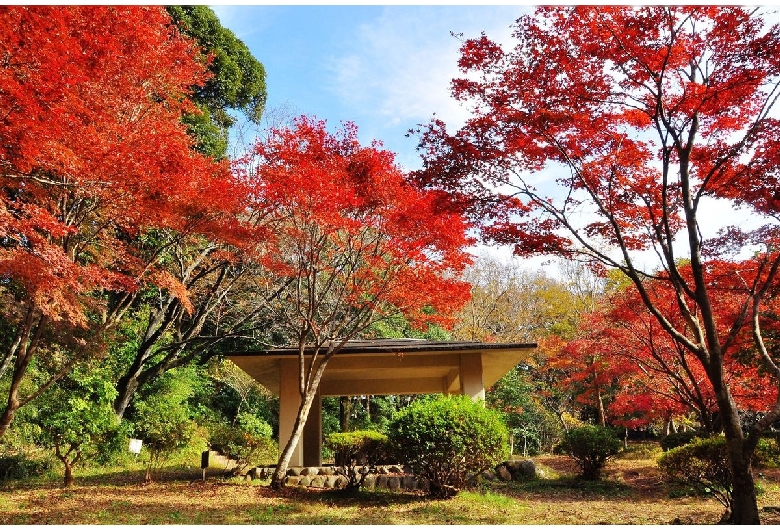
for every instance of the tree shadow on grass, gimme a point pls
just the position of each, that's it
(561, 488)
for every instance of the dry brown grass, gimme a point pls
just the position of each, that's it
(632, 493)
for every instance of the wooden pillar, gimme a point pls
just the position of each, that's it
(471, 375)
(289, 403)
(312, 435)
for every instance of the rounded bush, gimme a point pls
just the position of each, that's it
(249, 442)
(591, 446)
(357, 454)
(447, 439)
(703, 464)
(678, 439)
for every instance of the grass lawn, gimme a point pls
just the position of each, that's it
(631, 493)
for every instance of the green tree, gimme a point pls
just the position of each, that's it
(237, 81)
(162, 417)
(76, 418)
(534, 429)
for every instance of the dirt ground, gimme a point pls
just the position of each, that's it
(631, 493)
(652, 496)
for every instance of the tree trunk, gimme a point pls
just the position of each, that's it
(563, 421)
(126, 387)
(744, 502)
(345, 409)
(601, 418)
(68, 479)
(669, 427)
(13, 403)
(744, 509)
(25, 349)
(8, 414)
(277, 480)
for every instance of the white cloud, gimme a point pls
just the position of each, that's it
(400, 65)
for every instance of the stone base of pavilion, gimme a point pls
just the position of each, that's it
(390, 478)
(378, 367)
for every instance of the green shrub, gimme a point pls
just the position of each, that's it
(678, 439)
(162, 418)
(445, 440)
(703, 464)
(591, 446)
(249, 442)
(19, 466)
(767, 454)
(357, 454)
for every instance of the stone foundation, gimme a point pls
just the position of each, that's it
(391, 478)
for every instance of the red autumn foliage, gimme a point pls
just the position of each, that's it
(353, 242)
(93, 155)
(653, 378)
(93, 151)
(641, 116)
(347, 213)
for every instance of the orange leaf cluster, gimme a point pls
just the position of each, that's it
(92, 150)
(344, 215)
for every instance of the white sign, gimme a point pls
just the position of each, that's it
(135, 445)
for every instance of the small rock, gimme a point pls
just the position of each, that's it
(408, 482)
(394, 483)
(369, 483)
(503, 473)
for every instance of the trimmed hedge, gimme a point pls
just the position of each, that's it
(703, 464)
(448, 439)
(591, 446)
(357, 454)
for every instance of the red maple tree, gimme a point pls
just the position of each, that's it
(644, 115)
(353, 243)
(655, 377)
(92, 156)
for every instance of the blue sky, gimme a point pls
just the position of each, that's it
(385, 68)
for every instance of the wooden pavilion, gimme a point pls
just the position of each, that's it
(378, 367)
